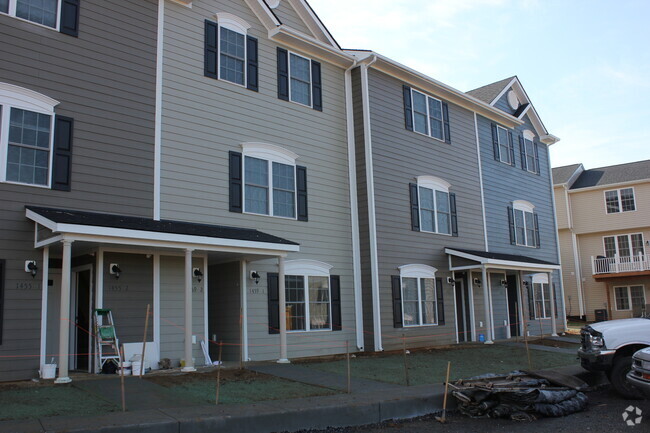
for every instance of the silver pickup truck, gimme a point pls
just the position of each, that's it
(609, 346)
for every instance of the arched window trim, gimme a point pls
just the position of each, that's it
(313, 268)
(232, 22)
(416, 270)
(20, 97)
(529, 135)
(523, 205)
(269, 152)
(433, 182)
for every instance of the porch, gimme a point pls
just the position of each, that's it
(92, 260)
(618, 266)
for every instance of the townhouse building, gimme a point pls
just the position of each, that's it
(604, 234)
(458, 238)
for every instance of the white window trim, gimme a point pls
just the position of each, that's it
(629, 238)
(629, 296)
(418, 271)
(270, 153)
(530, 136)
(436, 184)
(310, 268)
(427, 97)
(311, 82)
(508, 162)
(238, 25)
(12, 96)
(524, 205)
(620, 202)
(542, 279)
(527, 208)
(12, 13)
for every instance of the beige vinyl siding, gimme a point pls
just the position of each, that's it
(590, 215)
(205, 118)
(105, 81)
(569, 273)
(561, 211)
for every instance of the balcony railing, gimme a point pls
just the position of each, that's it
(617, 265)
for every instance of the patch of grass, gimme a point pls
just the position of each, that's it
(248, 391)
(430, 366)
(41, 401)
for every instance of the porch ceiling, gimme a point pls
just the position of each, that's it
(499, 260)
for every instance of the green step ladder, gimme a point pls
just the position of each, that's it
(105, 339)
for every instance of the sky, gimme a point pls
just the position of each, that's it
(584, 64)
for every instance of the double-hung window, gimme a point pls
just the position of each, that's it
(629, 297)
(529, 152)
(308, 294)
(418, 295)
(232, 55)
(524, 226)
(26, 136)
(269, 187)
(435, 206)
(542, 300)
(620, 200)
(628, 245)
(428, 117)
(504, 145)
(61, 15)
(299, 79)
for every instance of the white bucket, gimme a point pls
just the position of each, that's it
(126, 368)
(48, 371)
(136, 366)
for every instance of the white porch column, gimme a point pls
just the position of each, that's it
(283, 312)
(189, 364)
(45, 269)
(552, 294)
(244, 303)
(486, 296)
(64, 323)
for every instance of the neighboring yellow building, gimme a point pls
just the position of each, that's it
(603, 219)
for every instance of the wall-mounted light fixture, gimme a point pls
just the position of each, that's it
(504, 283)
(31, 268)
(255, 276)
(525, 284)
(198, 274)
(114, 269)
(477, 282)
(451, 281)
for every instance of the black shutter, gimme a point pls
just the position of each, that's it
(335, 288)
(511, 224)
(408, 108)
(522, 150)
(511, 145)
(283, 74)
(251, 64)
(70, 17)
(555, 302)
(440, 302)
(495, 142)
(445, 118)
(316, 86)
(273, 290)
(2, 295)
(531, 301)
(454, 217)
(415, 208)
(397, 301)
(537, 168)
(235, 182)
(62, 158)
(537, 241)
(301, 186)
(211, 67)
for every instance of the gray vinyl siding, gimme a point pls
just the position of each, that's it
(399, 156)
(105, 81)
(503, 105)
(172, 310)
(289, 17)
(205, 118)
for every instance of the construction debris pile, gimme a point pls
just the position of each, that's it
(519, 396)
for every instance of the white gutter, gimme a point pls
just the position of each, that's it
(480, 178)
(574, 250)
(557, 243)
(372, 219)
(158, 117)
(354, 208)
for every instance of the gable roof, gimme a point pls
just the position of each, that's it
(489, 92)
(562, 175)
(613, 174)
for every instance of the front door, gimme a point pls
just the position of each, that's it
(513, 305)
(499, 305)
(462, 309)
(83, 321)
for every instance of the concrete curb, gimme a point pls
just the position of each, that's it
(272, 416)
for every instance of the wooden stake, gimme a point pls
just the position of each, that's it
(443, 418)
(121, 358)
(347, 355)
(518, 324)
(406, 367)
(219, 373)
(241, 340)
(144, 340)
(541, 331)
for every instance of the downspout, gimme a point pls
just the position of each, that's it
(354, 208)
(158, 117)
(576, 258)
(372, 221)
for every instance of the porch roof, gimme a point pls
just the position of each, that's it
(76, 223)
(499, 260)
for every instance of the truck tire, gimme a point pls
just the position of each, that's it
(620, 368)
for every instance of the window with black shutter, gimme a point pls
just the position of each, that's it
(426, 114)
(230, 54)
(432, 206)
(299, 79)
